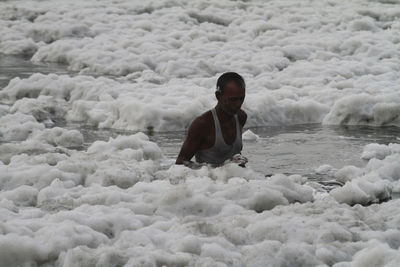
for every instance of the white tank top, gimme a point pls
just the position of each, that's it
(221, 151)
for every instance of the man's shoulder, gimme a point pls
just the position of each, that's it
(200, 126)
(242, 113)
(242, 116)
(204, 119)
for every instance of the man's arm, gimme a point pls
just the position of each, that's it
(192, 143)
(242, 116)
(239, 159)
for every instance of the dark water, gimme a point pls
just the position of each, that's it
(300, 149)
(22, 67)
(297, 149)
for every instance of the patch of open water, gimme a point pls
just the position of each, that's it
(296, 149)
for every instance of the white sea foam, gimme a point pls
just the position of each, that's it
(153, 66)
(373, 183)
(124, 201)
(17, 127)
(250, 136)
(330, 62)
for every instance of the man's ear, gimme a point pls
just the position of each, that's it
(217, 94)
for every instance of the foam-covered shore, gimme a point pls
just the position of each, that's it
(304, 62)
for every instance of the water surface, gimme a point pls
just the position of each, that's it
(297, 149)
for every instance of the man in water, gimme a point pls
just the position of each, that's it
(216, 135)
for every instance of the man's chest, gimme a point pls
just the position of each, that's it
(227, 131)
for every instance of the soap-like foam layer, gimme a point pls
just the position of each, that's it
(117, 202)
(153, 66)
(327, 62)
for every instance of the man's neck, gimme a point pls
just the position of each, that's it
(222, 114)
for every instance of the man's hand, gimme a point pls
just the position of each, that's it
(239, 159)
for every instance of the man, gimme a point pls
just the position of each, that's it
(216, 135)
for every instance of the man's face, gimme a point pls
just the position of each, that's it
(232, 99)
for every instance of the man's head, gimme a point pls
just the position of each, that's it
(229, 77)
(230, 92)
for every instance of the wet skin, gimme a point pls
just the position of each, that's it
(201, 134)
